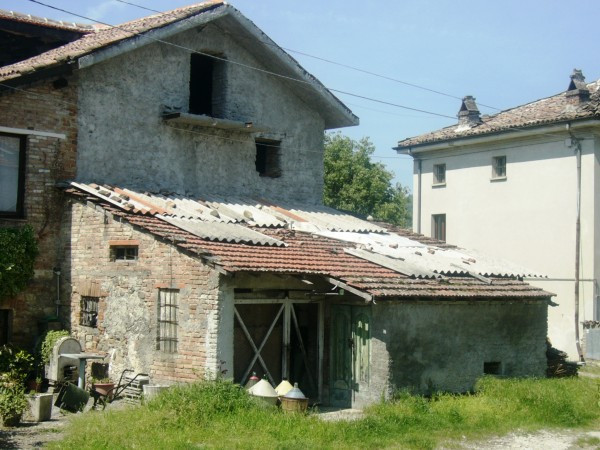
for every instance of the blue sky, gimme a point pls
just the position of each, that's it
(504, 53)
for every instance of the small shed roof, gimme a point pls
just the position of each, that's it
(376, 261)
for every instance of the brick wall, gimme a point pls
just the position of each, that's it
(41, 107)
(128, 291)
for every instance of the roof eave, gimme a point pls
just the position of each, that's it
(510, 133)
(334, 112)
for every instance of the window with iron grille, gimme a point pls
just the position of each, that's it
(167, 320)
(499, 167)
(439, 174)
(89, 311)
(124, 253)
(438, 226)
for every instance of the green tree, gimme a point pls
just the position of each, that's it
(18, 250)
(354, 183)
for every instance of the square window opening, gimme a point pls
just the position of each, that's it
(12, 175)
(268, 158)
(499, 167)
(167, 320)
(89, 311)
(439, 174)
(438, 225)
(492, 368)
(124, 253)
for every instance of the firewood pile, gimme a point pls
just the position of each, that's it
(558, 366)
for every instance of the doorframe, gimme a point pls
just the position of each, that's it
(289, 325)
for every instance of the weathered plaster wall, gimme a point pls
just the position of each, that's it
(124, 141)
(442, 345)
(41, 107)
(127, 320)
(528, 218)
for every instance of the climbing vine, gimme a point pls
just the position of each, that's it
(18, 249)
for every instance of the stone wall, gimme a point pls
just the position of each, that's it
(128, 290)
(42, 107)
(124, 141)
(443, 346)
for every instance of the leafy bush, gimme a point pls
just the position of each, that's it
(13, 401)
(14, 364)
(18, 249)
(48, 343)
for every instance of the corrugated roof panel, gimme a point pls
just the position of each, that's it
(222, 232)
(330, 219)
(397, 265)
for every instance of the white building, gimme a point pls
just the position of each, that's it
(523, 184)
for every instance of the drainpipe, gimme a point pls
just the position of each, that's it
(575, 142)
(56, 271)
(419, 172)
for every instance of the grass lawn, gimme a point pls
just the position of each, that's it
(221, 415)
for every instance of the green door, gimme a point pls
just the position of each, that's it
(350, 352)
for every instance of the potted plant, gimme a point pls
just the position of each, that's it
(40, 406)
(13, 403)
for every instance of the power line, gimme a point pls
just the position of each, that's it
(268, 72)
(329, 61)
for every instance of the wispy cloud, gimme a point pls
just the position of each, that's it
(104, 10)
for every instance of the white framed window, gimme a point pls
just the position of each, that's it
(438, 226)
(168, 300)
(12, 175)
(439, 174)
(499, 167)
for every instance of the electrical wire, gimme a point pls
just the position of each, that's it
(329, 61)
(356, 69)
(268, 72)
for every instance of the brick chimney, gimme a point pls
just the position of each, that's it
(577, 92)
(468, 114)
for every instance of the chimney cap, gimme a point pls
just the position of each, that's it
(577, 92)
(468, 114)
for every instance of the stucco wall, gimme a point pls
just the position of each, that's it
(124, 141)
(127, 319)
(529, 218)
(435, 346)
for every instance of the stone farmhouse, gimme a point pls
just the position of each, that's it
(172, 169)
(525, 184)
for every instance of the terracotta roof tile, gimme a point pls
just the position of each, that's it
(14, 16)
(103, 37)
(555, 109)
(307, 253)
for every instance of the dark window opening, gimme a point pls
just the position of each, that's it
(201, 84)
(124, 253)
(439, 173)
(268, 161)
(499, 167)
(12, 175)
(492, 368)
(439, 226)
(5, 326)
(167, 320)
(89, 311)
